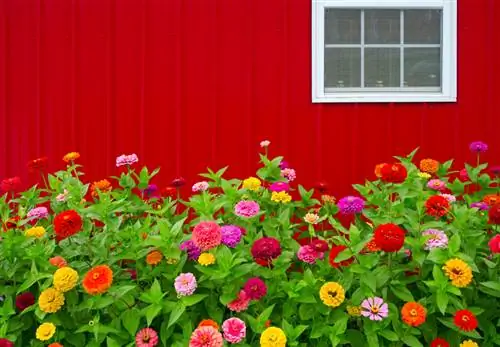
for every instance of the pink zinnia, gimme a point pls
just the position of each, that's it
(146, 337)
(374, 308)
(464, 176)
(185, 284)
(38, 213)
(207, 235)
(255, 288)
(200, 186)
(246, 208)
(234, 330)
(289, 174)
(308, 254)
(436, 184)
(206, 336)
(126, 159)
(240, 303)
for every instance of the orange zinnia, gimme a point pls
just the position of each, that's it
(209, 323)
(378, 170)
(102, 186)
(71, 156)
(58, 261)
(413, 314)
(154, 257)
(491, 199)
(98, 280)
(429, 165)
(55, 344)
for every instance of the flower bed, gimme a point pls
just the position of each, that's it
(261, 261)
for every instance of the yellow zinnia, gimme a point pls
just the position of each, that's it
(424, 175)
(458, 272)
(354, 311)
(469, 343)
(273, 337)
(71, 156)
(45, 331)
(50, 300)
(65, 279)
(332, 294)
(252, 183)
(37, 232)
(282, 197)
(206, 259)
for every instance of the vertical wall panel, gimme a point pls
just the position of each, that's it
(188, 84)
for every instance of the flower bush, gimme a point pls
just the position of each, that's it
(260, 261)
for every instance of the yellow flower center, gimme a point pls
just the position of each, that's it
(465, 318)
(95, 275)
(375, 309)
(413, 313)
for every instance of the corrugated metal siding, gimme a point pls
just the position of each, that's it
(188, 84)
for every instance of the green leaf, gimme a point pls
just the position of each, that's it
(340, 325)
(389, 335)
(112, 343)
(454, 244)
(176, 313)
(355, 337)
(411, 341)
(264, 316)
(442, 300)
(370, 281)
(491, 285)
(131, 319)
(402, 292)
(151, 312)
(193, 299)
(155, 292)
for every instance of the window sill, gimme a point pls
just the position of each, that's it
(382, 97)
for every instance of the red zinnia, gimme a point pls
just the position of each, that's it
(39, 164)
(319, 245)
(6, 343)
(334, 252)
(465, 320)
(266, 249)
(10, 184)
(66, 224)
(169, 192)
(437, 206)
(494, 214)
(393, 173)
(24, 300)
(494, 244)
(389, 237)
(439, 342)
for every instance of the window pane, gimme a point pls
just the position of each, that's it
(422, 67)
(342, 26)
(382, 26)
(342, 67)
(422, 26)
(382, 67)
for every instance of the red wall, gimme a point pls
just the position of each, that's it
(191, 83)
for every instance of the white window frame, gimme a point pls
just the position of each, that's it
(448, 90)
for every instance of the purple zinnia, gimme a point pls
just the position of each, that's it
(481, 206)
(255, 288)
(435, 239)
(478, 147)
(231, 235)
(284, 165)
(374, 308)
(495, 170)
(185, 284)
(38, 213)
(246, 208)
(151, 191)
(126, 159)
(193, 251)
(279, 187)
(351, 205)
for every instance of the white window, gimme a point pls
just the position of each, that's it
(384, 50)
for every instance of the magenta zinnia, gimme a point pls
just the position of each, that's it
(146, 337)
(234, 330)
(255, 288)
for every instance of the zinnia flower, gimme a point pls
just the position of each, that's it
(98, 280)
(413, 314)
(252, 183)
(311, 218)
(102, 186)
(424, 175)
(65, 279)
(154, 257)
(308, 254)
(185, 284)
(207, 235)
(393, 173)
(354, 311)
(465, 320)
(240, 303)
(265, 143)
(319, 245)
(37, 232)
(45, 331)
(273, 337)
(63, 196)
(458, 272)
(230, 235)
(209, 323)
(24, 300)
(146, 337)
(436, 184)
(494, 244)
(495, 170)
(191, 249)
(435, 239)
(178, 182)
(351, 205)
(328, 199)
(279, 187)
(58, 261)
(39, 164)
(206, 337)
(281, 197)
(374, 308)
(126, 159)
(6, 343)
(66, 224)
(55, 344)
(491, 199)
(234, 330)
(334, 252)
(429, 165)
(478, 147)
(332, 294)
(289, 174)
(206, 259)
(266, 248)
(481, 206)
(255, 288)
(389, 237)
(38, 213)
(283, 165)
(437, 206)
(439, 342)
(50, 300)
(10, 185)
(451, 198)
(494, 214)
(469, 343)
(71, 156)
(200, 186)
(246, 208)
